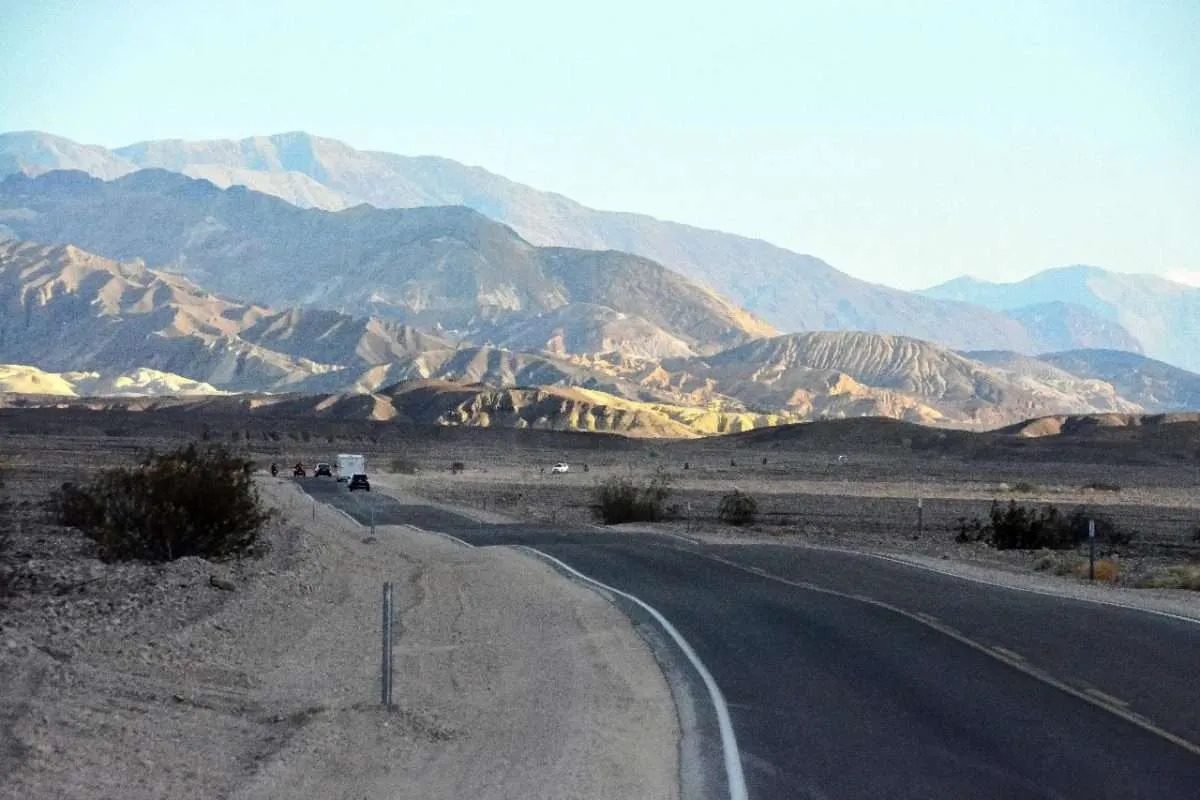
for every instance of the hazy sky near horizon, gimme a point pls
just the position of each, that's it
(903, 142)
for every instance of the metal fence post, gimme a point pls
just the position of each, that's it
(1091, 549)
(920, 515)
(386, 660)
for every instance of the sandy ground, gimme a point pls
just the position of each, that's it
(143, 681)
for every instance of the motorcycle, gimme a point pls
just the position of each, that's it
(274, 470)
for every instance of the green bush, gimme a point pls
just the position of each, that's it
(1017, 527)
(189, 502)
(457, 467)
(738, 508)
(622, 500)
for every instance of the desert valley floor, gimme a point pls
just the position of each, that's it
(99, 659)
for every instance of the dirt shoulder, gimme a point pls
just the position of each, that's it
(260, 679)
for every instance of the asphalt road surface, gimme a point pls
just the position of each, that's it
(849, 676)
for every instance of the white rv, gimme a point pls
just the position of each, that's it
(349, 465)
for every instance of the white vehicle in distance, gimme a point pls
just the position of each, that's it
(559, 467)
(349, 465)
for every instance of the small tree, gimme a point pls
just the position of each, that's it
(738, 508)
(186, 503)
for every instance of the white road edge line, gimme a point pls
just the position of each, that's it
(733, 764)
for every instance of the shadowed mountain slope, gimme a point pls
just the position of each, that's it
(448, 266)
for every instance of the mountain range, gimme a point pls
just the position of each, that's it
(66, 311)
(790, 291)
(320, 280)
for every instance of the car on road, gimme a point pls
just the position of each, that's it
(298, 471)
(324, 469)
(360, 482)
(560, 467)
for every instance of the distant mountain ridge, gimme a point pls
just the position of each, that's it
(791, 291)
(1162, 315)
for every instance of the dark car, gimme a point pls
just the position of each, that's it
(360, 482)
(323, 469)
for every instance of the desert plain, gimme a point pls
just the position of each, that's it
(258, 677)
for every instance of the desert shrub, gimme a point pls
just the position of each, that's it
(738, 508)
(1058, 564)
(1024, 487)
(457, 467)
(1101, 486)
(189, 502)
(1105, 569)
(624, 500)
(1180, 576)
(402, 466)
(972, 530)
(1018, 527)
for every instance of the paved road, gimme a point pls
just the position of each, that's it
(853, 677)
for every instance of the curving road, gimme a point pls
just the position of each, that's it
(848, 676)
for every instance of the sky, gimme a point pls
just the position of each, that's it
(905, 143)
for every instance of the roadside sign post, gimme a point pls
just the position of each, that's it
(372, 517)
(385, 667)
(920, 515)
(1091, 549)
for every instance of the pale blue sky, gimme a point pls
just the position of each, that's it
(903, 142)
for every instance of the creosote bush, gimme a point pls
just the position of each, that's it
(1017, 527)
(738, 508)
(189, 502)
(457, 467)
(623, 500)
